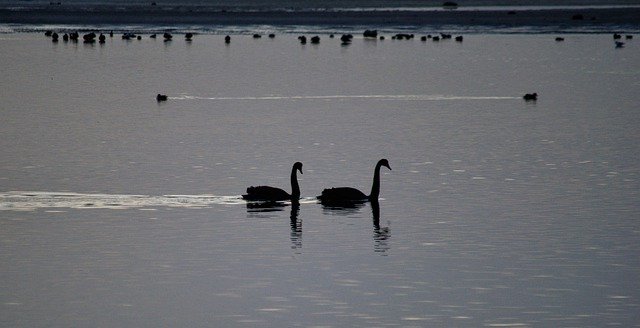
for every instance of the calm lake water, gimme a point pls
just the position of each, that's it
(119, 211)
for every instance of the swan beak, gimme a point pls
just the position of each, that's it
(389, 167)
(300, 169)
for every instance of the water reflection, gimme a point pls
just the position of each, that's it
(381, 235)
(272, 209)
(264, 209)
(296, 227)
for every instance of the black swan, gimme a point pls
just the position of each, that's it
(347, 195)
(271, 194)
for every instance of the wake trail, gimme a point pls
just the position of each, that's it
(341, 97)
(33, 200)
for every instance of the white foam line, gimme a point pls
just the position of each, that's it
(28, 201)
(385, 97)
(32, 200)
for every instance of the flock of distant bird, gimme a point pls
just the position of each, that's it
(346, 39)
(336, 197)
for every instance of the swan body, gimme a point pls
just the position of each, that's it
(348, 195)
(272, 194)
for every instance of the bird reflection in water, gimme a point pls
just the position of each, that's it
(261, 208)
(296, 227)
(381, 235)
(270, 209)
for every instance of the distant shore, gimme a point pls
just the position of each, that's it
(584, 17)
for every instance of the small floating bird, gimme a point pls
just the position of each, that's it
(347, 195)
(346, 39)
(530, 96)
(272, 194)
(160, 97)
(619, 44)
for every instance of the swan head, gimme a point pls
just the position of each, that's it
(384, 162)
(298, 166)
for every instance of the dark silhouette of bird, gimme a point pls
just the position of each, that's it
(272, 194)
(348, 195)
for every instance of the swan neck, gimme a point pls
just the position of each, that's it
(375, 188)
(295, 188)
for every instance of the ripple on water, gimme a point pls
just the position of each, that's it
(30, 201)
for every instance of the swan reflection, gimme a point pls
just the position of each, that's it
(265, 207)
(381, 235)
(272, 209)
(296, 227)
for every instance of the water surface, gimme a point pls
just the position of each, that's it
(117, 210)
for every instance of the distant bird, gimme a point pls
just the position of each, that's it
(370, 34)
(257, 36)
(227, 39)
(271, 36)
(272, 194)
(315, 39)
(160, 97)
(346, 39)
(559, 39)
(619, 44)
(188, 36)
(347, 195)
(303, 39)
(530, 96)
(459, 38)
(89, 37)
(617, 36)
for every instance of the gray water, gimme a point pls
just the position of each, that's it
(119, 211)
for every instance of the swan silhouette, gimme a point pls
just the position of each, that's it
(272, 194)
(347, 195)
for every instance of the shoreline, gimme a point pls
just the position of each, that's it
(599, 18)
